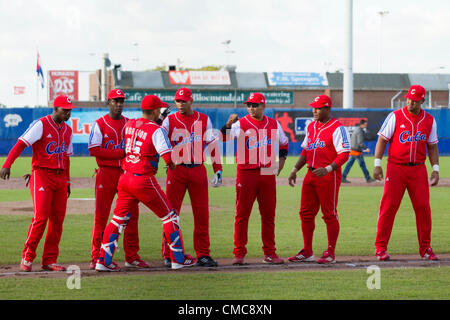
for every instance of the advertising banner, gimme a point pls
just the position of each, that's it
(63, 82)
(297, 79)
(199, 77)
(213, 97)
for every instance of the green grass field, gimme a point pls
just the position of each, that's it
(358, 209)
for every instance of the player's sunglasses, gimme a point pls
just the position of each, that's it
(253, 105)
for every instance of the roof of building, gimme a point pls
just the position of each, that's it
(259, 80)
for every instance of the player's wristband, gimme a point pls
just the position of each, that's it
(436, 167)
(329, 168)
(377, 162)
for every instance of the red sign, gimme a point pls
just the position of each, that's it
(19, 90)
(199, 77)
(63, 82)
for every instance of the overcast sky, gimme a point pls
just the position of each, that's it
(266, 35)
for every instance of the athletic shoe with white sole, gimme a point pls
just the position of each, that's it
(25, 265)
(238, 261)
(272, 259)
(53, 267)
(138, 263)
(206, 261)
(302, 256)
(189, 261)
(327, 258)
(382, 256)
(429, 255)
(167, 263)
(100, 266)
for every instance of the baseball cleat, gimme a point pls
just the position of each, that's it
(327, 258)
(189, 261)
(272, 259)
(138, 263)
(92, 264)
(238, 261)
(25, 265)
(53, 267)
(167, 263)
(429, 255)
(113, 267)
(206, 261)
(302, 256)
(382, 256)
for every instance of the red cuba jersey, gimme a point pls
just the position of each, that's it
(258, 142)
(145, 142)
(189, 136)
(108, 133)
(323, 142)
(51, 143)
(408, 135)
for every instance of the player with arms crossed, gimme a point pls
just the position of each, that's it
(51, 141)
(145, 142)
(258, 137)
(190, 132)
(107, 144)
(410, 131)
(326, 148)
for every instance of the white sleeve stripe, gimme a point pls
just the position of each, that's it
(26, 142)
(433, 142)
(164, 152)
(94, 145)
(381, 135)
(386, 121)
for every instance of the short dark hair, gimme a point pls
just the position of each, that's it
(362, 121)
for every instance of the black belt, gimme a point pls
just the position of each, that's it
(56, 171)
(190, 165)
(311, 168)
(411, 164)
(134, 174)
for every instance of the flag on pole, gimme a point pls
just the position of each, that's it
(19, 90)
(40, 74)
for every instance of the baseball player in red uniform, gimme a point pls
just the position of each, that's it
(51, 141)
(326, 148)
(190, 133)
(145, 142)
(107, 144)
(259, 138)
(410, 131)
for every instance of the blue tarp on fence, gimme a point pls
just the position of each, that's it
(15, 121)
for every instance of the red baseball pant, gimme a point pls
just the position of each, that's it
(133, 189)
(251, 185)
(195, 181)
(106, 183)
(49, 193)
(320, 193)
(398, 179)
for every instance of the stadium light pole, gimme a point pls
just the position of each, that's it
(348, 69)
(380, 44)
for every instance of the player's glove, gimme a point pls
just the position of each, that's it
(217, 179)
(163, 115)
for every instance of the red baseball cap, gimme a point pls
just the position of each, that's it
(256, 97)
(416, 93)
(151, 102)
(116, 93)
(164, 104)
(183, 94)
(63, 102)
(321, 101)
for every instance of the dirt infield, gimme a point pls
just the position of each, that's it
(84, 183)
(252, 265)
